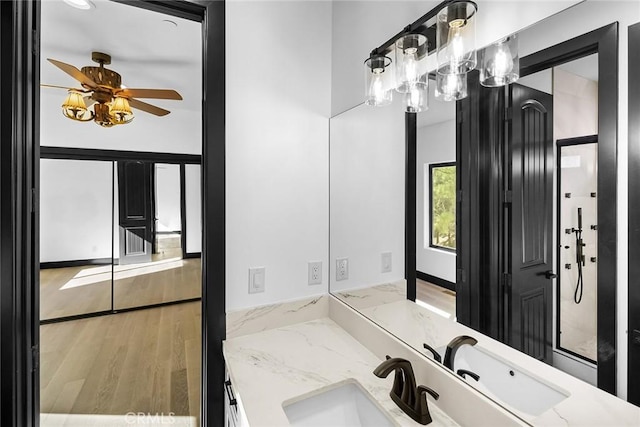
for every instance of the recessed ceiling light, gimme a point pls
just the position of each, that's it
(170, 22)
(80, 4)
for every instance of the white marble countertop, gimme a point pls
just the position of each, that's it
(282, 364)
(585, 406)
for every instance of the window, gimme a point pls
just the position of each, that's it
(442, 186)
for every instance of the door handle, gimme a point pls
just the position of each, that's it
(550, 275)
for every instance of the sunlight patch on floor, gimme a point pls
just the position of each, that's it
(93, 275)
(434, 309)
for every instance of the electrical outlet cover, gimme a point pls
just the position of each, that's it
(256, 280)
(342, 269)
(315, 272)
(386, 264)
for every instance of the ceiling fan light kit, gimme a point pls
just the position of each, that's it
(109, 102)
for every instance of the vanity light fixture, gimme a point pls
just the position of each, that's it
(379, 81)
(456, 38)
(500, 63)
(412, 78)
(449, 29)
(417, 99)
(451, 87)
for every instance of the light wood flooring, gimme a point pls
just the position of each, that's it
(141, 361)
(436, 296)
(80, 290)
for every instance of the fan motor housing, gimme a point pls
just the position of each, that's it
(103, 76)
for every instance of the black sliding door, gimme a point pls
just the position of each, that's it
(529, 252)
(136, 213)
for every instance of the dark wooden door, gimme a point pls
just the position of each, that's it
(529, 248)
(136, 213)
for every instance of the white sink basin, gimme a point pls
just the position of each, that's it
(345, 404)
(500, 379)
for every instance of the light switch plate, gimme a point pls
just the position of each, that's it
(315, 272)
(342, 269)
(256, 280)
(385, 262)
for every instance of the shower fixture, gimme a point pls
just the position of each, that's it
(580, 258)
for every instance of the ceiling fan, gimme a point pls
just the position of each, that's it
(102, 97)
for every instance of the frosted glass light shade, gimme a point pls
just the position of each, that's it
(456, 38)
(450, 87)
(121, 111)
(410, 61)
(500, 63)
(75, 108)
(379, 81)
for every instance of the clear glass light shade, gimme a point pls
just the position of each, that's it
(500, 63)
(379, 81)
(410, 61)
(450, 87)
(417, 98)
(121, 111)
(456, 38)
(75, 108)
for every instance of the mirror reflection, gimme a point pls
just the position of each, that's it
(76, 251)
(549, 226)
(124, 236)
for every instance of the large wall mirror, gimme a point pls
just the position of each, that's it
(516, 238)
(117, 234)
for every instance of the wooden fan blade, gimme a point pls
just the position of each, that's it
(63, 87)
(150, 93)
(148, 107)
(73, 72)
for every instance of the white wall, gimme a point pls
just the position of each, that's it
(360, 26)
(582, 18)
(193, 207)
(75, 210)
(436, 144)
(367, 154)
(278, 61)
(167, 197)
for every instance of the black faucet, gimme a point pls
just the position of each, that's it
(452, 347)
(411, 399)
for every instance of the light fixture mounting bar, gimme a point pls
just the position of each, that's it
(418, 24)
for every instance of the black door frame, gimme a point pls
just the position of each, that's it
(19, 168)
(633, 334)
(474, 308)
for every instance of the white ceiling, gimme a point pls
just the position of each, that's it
(147, 51)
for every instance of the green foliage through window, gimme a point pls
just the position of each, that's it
(443, 205)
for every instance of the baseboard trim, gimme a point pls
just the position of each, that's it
(193, 255)
(75, 263)
(436, 281)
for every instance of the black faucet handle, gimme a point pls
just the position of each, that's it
(464, 372)
(436, 355)
(421, 408)
(424, 389)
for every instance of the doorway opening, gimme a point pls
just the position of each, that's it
(121, 228)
